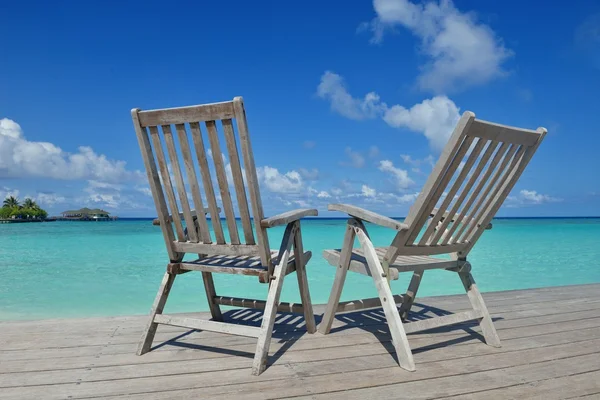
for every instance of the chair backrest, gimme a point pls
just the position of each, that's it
(475, 173)
(182, 161)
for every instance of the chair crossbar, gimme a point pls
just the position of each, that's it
(211, 326)
(257, 304)
(363, 304)
(444, 320)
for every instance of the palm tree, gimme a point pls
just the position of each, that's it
(29, 203)
(11, 202)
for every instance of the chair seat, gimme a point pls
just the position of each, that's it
(243, 265)
(358, 262)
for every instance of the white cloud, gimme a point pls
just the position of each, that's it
(332, 88)
(368, 191)
(400, 176)
(460, 50)
(275, 181)
(309, 174)
(435, 118)
(20, 158)
(336, 191)
(356, 159)
(49, 199)
(530, 197)
(7, 192)
(323, 195)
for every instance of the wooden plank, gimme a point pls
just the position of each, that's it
(505, 151)
(266, 329)
(238, 181)
(368, 216)
(216, 248)
(190, 171)
(362, 304)
(441, 211)
(252, 180)
(503, 133)
(213, 326)
(301, 274)
(180, 115)
(258, 304)
(450, 216)
(421, 208)
(155, 186)
(489, 213)
(166, 180)
(222, 180)
(157, 308)
(207, 182)
(288, 216)
(179, 184)
(512, 153)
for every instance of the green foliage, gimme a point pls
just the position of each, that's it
(29, 210)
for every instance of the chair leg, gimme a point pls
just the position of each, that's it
(411, 293)
(157, 308)
(338, 283)
(268, 321)
(486, 323)
(399, 339)
(209, 287)
(309, 316)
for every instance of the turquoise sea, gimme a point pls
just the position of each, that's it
(84, 269)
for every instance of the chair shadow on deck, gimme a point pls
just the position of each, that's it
(288, 329)
(374, 321)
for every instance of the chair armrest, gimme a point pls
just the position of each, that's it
(156, 221)
(369, 216)
(434, 211)
(287, 217)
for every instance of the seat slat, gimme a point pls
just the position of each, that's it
(238, 181)
(166, 179)
(207, 181)
(503, 133)
(179, 184)
(222, 180)
(190, 172)
(402, 263)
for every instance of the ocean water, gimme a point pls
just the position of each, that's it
(84, 269)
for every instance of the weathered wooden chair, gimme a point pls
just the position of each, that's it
(470, 192)
(213, 253)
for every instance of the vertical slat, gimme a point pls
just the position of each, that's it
(252, 180)
(439, 190)
(155, 186)
(461, 198)
(183, 200)
(453, 190)
(222, 180)
(238, 181)
(492, 182)
(190, 171)
(505, 192)
(207, 181)
(166, 178)
(447, 235)
(436, 175)
(505, 180)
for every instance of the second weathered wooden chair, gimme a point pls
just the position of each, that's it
(476, 171)
(246, 255)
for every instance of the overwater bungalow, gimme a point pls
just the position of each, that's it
(87, 214)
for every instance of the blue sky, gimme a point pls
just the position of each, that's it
(346, 101)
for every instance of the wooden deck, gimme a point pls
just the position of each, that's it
(551, 350)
